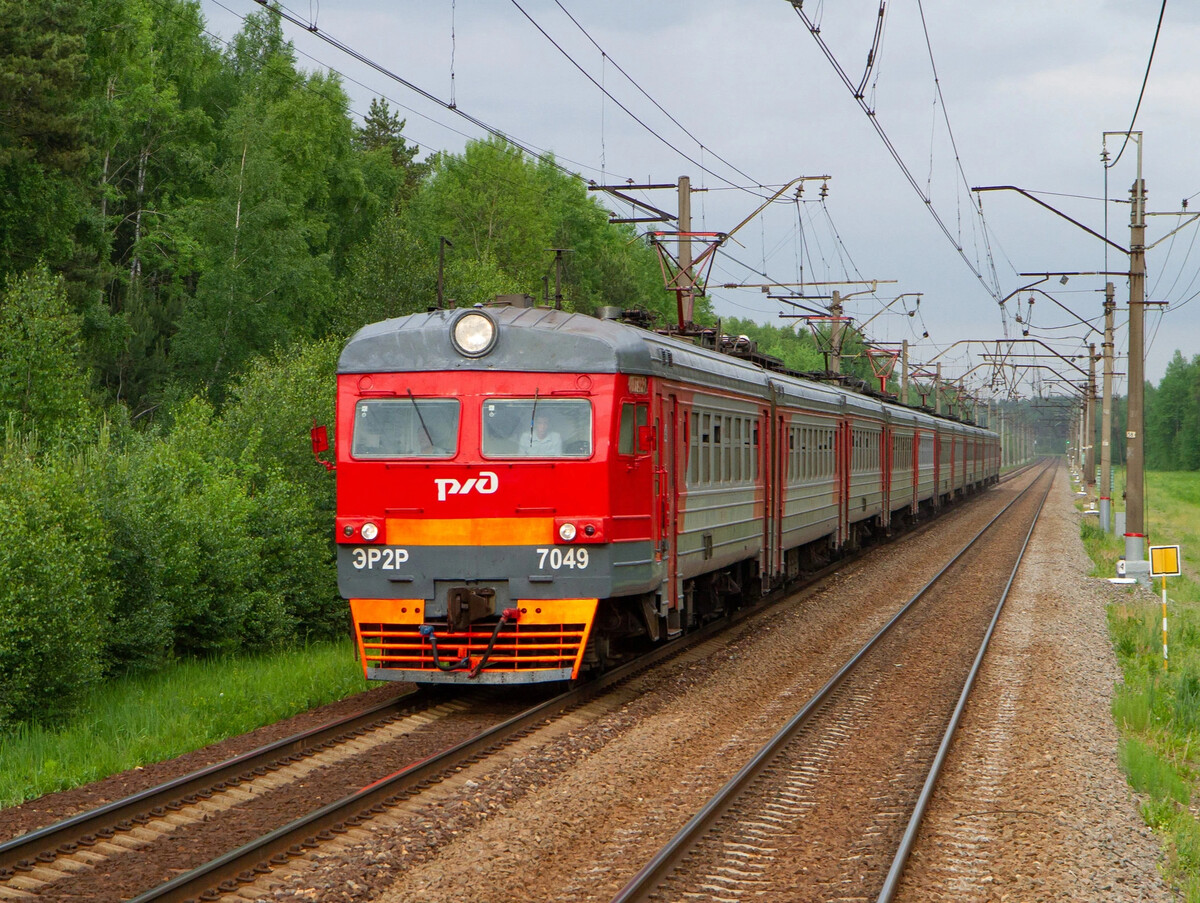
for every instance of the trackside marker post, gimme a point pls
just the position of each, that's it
(1164, 562)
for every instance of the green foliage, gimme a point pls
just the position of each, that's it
(1173, 417)
(265, 428)
(189, 504)
(1157, 710)
(389, 161)
(42, 133)
(54, 581)
(504, 212)
(797, 350)
(42, 384)
(151, 76)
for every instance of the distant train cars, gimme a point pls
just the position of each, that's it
(524, 493)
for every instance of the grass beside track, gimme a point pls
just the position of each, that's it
(1158, 712)
(133, 721)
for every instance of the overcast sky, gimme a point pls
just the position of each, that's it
(1027, 88)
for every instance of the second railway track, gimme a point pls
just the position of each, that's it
(827, 808)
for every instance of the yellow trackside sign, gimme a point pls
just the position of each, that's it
(1164, 561)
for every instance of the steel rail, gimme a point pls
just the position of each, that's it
(16, 853)
(892, 882)
(651, 875)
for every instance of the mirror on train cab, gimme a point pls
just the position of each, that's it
(320, 443)
(320, 439)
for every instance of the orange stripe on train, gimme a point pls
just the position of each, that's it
(469, 531)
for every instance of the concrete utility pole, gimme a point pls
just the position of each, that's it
(1135, 529)
(1003, 441)
(904, 372)
(937, 390)
(685, 241)
(1090, 426)
(1106, 414)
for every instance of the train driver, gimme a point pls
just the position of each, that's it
(541, 441)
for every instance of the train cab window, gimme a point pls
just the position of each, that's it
(633, 416)
(537, 428)
(405, 428)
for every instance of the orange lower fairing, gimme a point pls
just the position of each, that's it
(546, 642)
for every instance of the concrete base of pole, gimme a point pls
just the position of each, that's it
(1136, 564)
(1106, 515)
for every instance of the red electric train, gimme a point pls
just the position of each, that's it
(524, 493)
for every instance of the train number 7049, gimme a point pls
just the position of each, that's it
(557, 559)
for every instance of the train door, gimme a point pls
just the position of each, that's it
(768, 485)
(937, 468)
(916, 470)
(845, 459)
(782, 456)
(885, 471)
(666, 468)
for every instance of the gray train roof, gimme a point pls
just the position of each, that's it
(421, 342)
(579, 344)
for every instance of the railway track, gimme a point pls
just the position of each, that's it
(59, 861)
(22, 853)
(90, 845)
(829, 807)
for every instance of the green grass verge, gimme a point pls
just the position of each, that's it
(136, 720)
(1157, 711)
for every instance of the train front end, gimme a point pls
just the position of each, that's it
(474, 531)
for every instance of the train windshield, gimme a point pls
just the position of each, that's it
(405, 428)
(537, 428)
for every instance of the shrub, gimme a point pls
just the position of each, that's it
(54, 582)
(188, 514)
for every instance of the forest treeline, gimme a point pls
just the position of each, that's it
(189, 231)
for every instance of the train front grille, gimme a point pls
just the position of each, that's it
(518, 647)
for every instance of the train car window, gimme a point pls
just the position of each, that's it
(754, 451)
(694, 456)
(733, 449)
(405, 428)
(537, 428)
(633, 416)
(746, 452)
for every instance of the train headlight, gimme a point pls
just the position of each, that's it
(474, 334)
(566, 532)
(369, 531)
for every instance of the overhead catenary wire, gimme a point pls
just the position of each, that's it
(697, 163)
(815, 31)
(300, 83)
(494, 131)
(1142, 93)
(703, 147)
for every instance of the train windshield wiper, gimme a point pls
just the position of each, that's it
(533, 416)
(424, 429)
